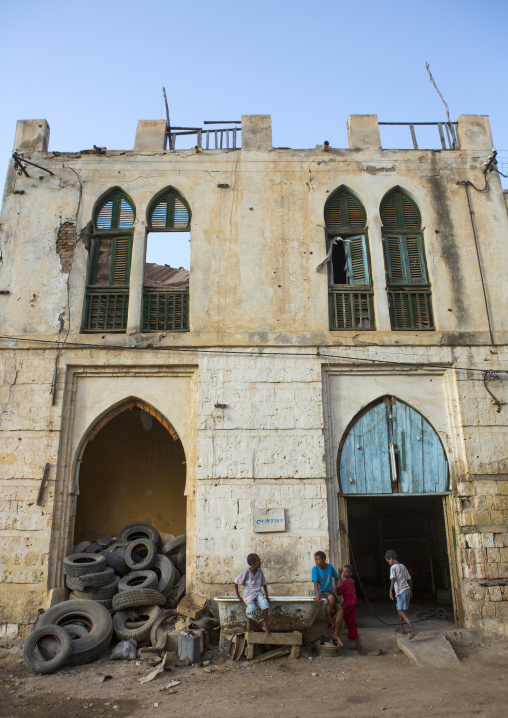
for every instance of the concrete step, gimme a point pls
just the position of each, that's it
(433, 651)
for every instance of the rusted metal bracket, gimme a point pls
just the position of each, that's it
(43, 485)
(489, 376)
(20, 162)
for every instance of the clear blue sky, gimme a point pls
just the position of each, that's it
(93, 69)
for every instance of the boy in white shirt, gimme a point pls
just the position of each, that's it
(400, 582)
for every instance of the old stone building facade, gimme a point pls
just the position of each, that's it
(353, 407)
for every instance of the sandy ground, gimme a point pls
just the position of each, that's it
(362, 686)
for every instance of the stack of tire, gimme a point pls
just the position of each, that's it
(117, 586)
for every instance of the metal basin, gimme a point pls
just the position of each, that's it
(286, 613)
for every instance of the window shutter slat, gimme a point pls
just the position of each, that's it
(357, 260)
(121, 267)
(105, 216)
(126, 215)
(415, 265)
(170, 213)
(159, 215)
(410, 213)
(116, 212)
(399, 212)
(394, 260)
(344, 210)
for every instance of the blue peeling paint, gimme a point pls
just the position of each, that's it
(365, 469)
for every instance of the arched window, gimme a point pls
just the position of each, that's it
(114, 212)
(166, 290)
(348, 262)
(410, 305)
(107, 296)
(169, 212)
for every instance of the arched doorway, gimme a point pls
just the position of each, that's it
(131, 470)
(393, 475)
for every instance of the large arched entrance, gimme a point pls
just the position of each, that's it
(131, 471)
(394, 477)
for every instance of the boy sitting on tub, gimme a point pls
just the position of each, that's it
(253, 582)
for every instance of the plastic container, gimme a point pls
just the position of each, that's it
(189, 646)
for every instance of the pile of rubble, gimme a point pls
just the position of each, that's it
(128, 587)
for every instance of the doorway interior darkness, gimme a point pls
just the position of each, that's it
(414, 526)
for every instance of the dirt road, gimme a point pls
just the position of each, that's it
(386, 686)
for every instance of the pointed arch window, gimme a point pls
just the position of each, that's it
(351, 301)
(107, 295)
(169, 212)
(166, 289)
(408, 285)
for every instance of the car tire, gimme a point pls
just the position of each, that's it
(174, 545)
(90, 580)
(140, 554)
(138, 579)
(135, 597)
(126, 629)
(140, 531)
(167, 574)
(79, 564)
(90, 614)
(115, 560)
(39, 662)
(181, 559)
(106, 602)
(103, 593)
(81, 547)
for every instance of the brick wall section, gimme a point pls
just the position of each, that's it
(65, 241)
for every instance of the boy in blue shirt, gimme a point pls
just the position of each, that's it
(325, 579)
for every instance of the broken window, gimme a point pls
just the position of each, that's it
(166, 285)
(351, 300)
(107, 295)
(408, 286)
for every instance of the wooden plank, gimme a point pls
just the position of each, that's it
(454, 561)
(276, 639)
(277, 653)
(295, 652)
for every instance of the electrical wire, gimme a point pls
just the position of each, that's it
(52, 390)
(250, 353)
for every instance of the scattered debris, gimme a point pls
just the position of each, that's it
(276, 653)
(101, 677)
(124, 650)
(153, 674)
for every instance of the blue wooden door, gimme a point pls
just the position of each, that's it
(392, 449)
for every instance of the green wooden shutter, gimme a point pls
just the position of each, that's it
(358, 265)
(394, 258)
(415, 262)
(405, 261)
(120, 261)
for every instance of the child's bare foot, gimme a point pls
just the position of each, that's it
(266, 629)
(399, 630)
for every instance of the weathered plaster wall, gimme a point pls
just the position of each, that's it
(256, 243)
(253, 291)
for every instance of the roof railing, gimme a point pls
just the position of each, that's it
(207, 139)
(447, 132)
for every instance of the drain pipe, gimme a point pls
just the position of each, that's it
(465, 183)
